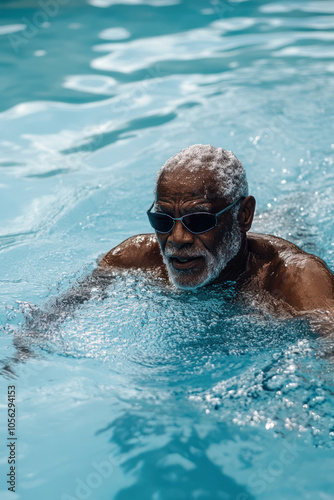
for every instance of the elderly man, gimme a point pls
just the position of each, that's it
(201, 216)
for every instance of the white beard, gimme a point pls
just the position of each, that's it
(214, 265)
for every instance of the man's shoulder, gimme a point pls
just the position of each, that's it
(268, 245)
(286, 255)
(137, 252)
(298, 277)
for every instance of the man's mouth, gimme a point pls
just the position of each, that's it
(182, 263)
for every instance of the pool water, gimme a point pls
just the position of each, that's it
(149, 392)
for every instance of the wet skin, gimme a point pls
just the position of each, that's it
(270, 268)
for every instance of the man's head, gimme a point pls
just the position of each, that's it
(203, 179)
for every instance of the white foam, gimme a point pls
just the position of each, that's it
(114, 34)
(11, 28)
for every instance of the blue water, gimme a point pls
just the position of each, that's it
(150, 393)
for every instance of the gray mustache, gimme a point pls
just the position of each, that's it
(188, 255)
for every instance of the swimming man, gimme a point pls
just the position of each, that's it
(202, 215)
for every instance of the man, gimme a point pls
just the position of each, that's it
(202, 215)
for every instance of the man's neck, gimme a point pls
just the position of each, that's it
(238, 266)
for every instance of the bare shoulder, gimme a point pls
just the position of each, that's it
(268, 245)
(138, 252)
(301, 279)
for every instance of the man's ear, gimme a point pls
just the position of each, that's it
(246, 213)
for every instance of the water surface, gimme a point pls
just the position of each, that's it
(183, 395)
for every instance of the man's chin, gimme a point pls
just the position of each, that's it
(207, 269)
(188, 280)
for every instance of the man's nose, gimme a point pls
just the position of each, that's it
(180, 235)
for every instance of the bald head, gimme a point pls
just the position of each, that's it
(201, 160)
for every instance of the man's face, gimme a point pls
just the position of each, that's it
(193, 260)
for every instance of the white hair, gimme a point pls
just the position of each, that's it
(230, 173)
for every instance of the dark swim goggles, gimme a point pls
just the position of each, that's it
(196, 223)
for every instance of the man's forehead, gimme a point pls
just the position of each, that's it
(199, 183)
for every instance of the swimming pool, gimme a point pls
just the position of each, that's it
(152, 393)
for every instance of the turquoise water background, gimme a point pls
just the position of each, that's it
(151, 393)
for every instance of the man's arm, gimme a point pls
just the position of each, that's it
(307, 285)
(138, 252)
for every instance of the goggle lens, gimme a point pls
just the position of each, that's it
(195, 223)
(199, 223)
(161, 222)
